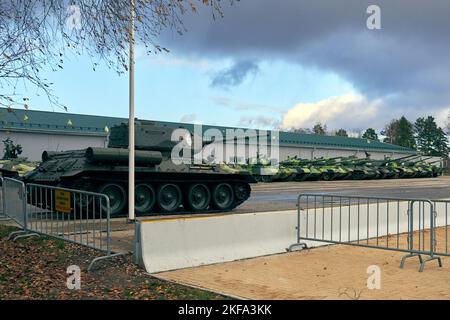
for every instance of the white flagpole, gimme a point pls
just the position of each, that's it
(131, 134)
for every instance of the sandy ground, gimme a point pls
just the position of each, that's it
(331, 272)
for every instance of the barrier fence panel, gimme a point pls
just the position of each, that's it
(2, 209)
(72, 215)
(14, 200)
(405, 225)
(442, 228)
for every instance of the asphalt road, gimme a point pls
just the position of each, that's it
(283, 195)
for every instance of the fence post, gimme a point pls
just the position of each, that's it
(298, 219)
(433, 215)
(24, 206)
(297, 242)
(108, 227)
(3, 216)
(3, 198)
(432, 239)
(410, 214)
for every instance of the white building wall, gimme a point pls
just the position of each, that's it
(311, 153)
(35, 143)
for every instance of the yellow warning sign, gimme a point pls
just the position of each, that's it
(62, 201)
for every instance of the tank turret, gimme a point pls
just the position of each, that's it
(437, 170)
(148, 136)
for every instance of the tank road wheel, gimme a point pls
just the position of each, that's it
(222, 196)
(117, 198)
(169, 197)
(198, 197)
(145, 198)
(242, 191)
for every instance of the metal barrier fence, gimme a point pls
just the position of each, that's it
(2, 209)
(14, 201)
(404, 225)
(71, 215)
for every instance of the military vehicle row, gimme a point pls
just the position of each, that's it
(341, 168)
(161, 185)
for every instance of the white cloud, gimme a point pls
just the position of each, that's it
(189, 118)
(244, 105)
(258, 122)
(443, 117)
(347, 111)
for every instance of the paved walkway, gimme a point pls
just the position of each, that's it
(332, 272)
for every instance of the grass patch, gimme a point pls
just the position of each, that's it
(59, 244)
(6, 230)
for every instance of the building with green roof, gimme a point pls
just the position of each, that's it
(37, 131)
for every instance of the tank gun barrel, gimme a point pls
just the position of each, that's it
(422, 159)
(324, 160)
(412, 156)
(435, 161)
(114, 155)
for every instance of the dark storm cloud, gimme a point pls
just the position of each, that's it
(235, 75)
(407, 62)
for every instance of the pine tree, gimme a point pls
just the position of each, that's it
(431, 139)
(405, 134)
(400, 132)
(370, 134)
(341, 133)
(319, 129)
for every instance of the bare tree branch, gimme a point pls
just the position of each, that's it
(38, 33)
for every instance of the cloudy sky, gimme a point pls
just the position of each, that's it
(283, 64)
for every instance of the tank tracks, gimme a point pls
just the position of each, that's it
(169, 197)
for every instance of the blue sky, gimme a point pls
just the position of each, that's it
(173, 87)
